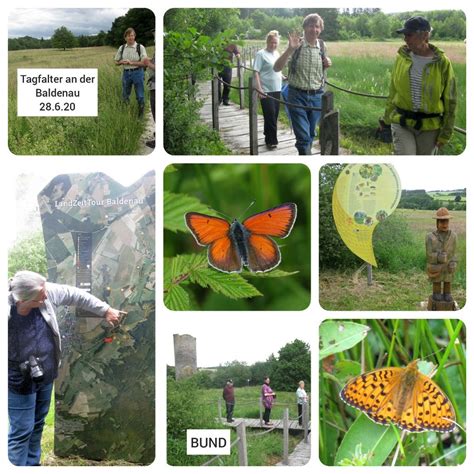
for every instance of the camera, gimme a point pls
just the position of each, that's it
(32, 368)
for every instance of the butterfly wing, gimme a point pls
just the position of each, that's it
(276, 222)
(223, 255)
(206, 229)
(263, 253)
(432, 409)
(214, 232)
(374, 393)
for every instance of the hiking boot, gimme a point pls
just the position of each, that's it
(437, 297)
(448, 298)
(141, 110)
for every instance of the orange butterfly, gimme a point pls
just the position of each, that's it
(230, 246)
(402, 396)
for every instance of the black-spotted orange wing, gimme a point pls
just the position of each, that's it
(213, 232)
(275, 222)
(402, 396)
(263, 253)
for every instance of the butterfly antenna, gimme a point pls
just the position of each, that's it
(220, 213)
(248, 207)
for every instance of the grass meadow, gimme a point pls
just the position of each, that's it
(405, 285)
(363, 66)
(346, 436)
(115, 131)
(263, 450)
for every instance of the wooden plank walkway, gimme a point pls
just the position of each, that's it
(234, 127)
(255, 423)
(300, 455)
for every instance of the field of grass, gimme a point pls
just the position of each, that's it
(115, 131)
(262, 450)
(445, 196)
(363, 66)
(395, 290)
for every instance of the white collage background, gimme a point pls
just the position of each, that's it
(129, 168)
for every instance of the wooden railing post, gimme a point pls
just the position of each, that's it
(253, 118)
(305, 416)
(240, 75)
(242, 445)
(219, 408)
(260, 407)
(329, 126)
(286, 435)
(215, 102)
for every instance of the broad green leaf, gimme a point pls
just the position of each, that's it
(338, 336)
(175, 207)
(231, 285)
(272, 274)
(177, 299)
(170, 169)
(366, 441)
(346, 369)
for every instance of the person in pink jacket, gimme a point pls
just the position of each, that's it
(268, 395)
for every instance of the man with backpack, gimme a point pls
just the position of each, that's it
(306, 73)
(131, 56)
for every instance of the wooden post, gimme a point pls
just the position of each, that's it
(215, 103)
(260, 407)
(286, 435)
(219, 408)
(253, 118)
(369, 274)
(240, 75)
(329, 126)
(305, 415)
(242, 445)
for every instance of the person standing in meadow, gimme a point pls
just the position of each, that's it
(269, 82)
(306, 73)
(421, 105)
(131, 56)
(229, 398)
(150, 64)
(268, 395)
(301, 399)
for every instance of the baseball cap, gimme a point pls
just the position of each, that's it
(415, 24)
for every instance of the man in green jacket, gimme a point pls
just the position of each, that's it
(421, 106)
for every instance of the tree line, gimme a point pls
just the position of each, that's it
(141, 20)
(340, 24)
(292, 364)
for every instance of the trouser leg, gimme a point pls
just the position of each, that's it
(43, 401)
(437, 291)
(300, 414)
(404, 142)
(226, 76)
(426, 142)
(270, 109)
(21, 416)
(127, 83)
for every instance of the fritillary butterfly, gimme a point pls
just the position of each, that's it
(402, 396)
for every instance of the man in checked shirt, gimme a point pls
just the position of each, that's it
(308, 62)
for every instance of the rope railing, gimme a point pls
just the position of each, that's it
(215, 458)
(360, 94)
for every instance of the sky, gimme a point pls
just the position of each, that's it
(433, 174)
(220, 338)
(41, 22)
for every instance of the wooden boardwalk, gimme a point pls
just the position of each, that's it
(255, 423)
(300, 455)
(234, 127)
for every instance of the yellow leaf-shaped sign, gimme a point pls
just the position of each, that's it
(363, 196)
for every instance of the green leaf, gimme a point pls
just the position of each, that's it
(194, 268)
(346, 369)
(366, 441)
(177, 299)
(338, 336)
(170, 169)
(271, 274)
(175, 207)
(232, 285)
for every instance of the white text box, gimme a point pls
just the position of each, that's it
(208, 442)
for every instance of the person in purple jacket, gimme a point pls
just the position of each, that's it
(268, 395)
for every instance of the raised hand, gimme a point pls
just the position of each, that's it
(294, 40)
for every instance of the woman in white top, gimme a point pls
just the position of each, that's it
(301, 399)
(269, 82)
